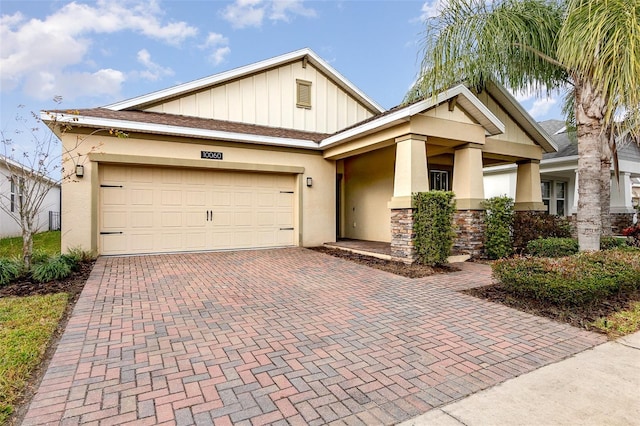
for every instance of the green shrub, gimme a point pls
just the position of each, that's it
(529, 226)
(81, 255)
(39, 256)
(608, 243)
(499, 220)
(433, 226)
(552, 247)
(56, 268)
(576, 280)
(9, 270)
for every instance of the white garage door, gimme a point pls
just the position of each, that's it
(155, 210)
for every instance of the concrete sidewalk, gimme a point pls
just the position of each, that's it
(600, 386)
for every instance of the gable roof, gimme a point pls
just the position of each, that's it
(181, 89)
(465, 99)
(521, 116)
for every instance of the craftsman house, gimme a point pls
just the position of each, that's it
(285, 152)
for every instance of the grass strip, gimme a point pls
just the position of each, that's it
(26, 327)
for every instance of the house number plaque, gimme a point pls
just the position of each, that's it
(211, 155)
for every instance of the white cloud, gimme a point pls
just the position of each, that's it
(432, 8)
(244, 13)
(153, 71)
(43, 50)
(45, 85)
(281, 10)
(251, 13)
(218, 44)
(541, 107)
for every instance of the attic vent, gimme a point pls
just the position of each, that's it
(303, 94)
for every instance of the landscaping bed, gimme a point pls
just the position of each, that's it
(587, 317)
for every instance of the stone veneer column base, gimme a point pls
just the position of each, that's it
(470, 229)
(402, 235)
(619, 221)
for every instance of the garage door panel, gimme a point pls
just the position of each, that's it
(222, 218)
(266, 199)
(243, 199)
(266, 218)
(195, 219)
(113, 196)
(171, 241)
(221, 199)
(171, 198)
(141, 197)
(242, 219)
(141, 242)
(285, 237)
(171, 219)
(164, 210)
(114, 219)
(141, 219)
(196, 199)
(195, 241)
(141, 175)
(243, 239)
(113, 244)
(222, 239)
(171, 176)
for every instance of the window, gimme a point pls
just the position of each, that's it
(438, 180)
(17, 185)
(546, 194)
(554, 197)
(303, 94)
(560, 198)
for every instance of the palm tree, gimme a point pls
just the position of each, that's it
(591, 48)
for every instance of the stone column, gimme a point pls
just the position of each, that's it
(528, 192)
(411, 176)
(468, 187)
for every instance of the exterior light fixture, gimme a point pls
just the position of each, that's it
(309, 182)
(79, 170)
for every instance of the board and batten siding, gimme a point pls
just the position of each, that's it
(513, 132)
(268, 98)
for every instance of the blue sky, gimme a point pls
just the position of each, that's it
(92, 53)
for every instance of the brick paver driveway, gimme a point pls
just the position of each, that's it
(285, 336)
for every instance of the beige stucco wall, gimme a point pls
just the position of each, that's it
(80, 196)
(368, 187)
(269, 98)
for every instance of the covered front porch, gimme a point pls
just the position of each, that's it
(435, 144)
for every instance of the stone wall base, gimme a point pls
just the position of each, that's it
(470, 228)
(619, 221)
(402, 236)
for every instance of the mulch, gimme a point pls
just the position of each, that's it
(414, 270)
(578, 316)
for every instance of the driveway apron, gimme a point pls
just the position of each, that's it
(285, 336)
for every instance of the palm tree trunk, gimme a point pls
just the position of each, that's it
(589, 114)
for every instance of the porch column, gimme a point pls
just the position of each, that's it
(622, 210)
(410, 176)
(468, 187)
(528, 191)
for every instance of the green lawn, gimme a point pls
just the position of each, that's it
(621, 323)
(49, 242)
(26, 327)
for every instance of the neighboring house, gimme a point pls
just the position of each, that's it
(286, 152)
(48, 217)
(635, 192)
(558, 174)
